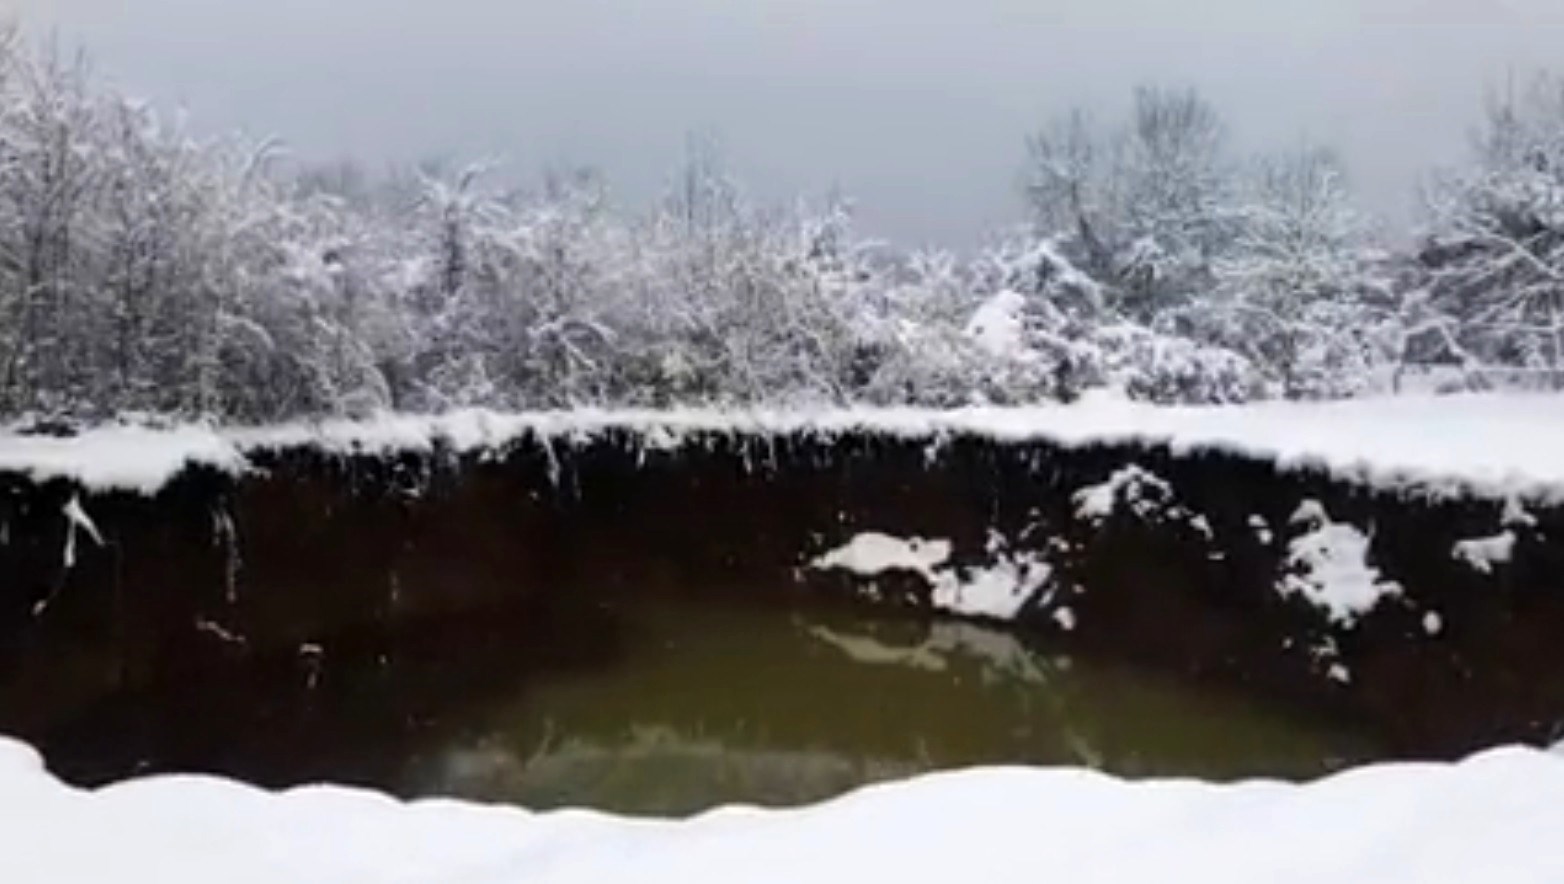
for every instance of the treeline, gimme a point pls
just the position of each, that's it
(144, 270)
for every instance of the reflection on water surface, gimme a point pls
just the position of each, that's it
(671, 706)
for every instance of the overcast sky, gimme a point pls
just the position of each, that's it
(917, 107)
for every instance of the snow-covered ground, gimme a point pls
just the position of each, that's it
(1500, 442)
(1493, 818)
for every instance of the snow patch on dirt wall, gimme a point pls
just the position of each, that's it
(1137, 492)
(1328, 566)
(1133, 488)
(871, 554)
(999, 590)
(1483, 554)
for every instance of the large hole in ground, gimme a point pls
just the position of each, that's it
(636, 628)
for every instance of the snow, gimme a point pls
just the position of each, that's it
(1065, 618)
(134, 459)
(1128, 486)
(997, 591)
(1515, 514)
(1145, 496)
(1489, 818)
(1262, 530)
(997, 325)
(1501, 444)
(871, 554)
(1328, 566)
(1433, 624)
(1483, 553)
(1202, 525)
(1068, 274)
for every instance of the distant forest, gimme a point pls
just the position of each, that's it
(145, 271)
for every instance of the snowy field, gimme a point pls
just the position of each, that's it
(1495, 443)
(1493, 818)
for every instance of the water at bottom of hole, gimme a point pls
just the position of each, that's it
(663, 706)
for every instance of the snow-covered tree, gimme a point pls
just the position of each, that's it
(1299, 291)
(1221, 279)
(1064, 337)
(1494, 262)
(1143, 207)
(50, 176)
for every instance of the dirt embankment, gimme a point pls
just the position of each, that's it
(1176, 564)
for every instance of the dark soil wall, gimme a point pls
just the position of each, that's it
(313, 551)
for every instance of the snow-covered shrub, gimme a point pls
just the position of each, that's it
(1494, 261)
(1168, 369)
(1145, 206)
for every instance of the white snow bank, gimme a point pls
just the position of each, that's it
(119, 458)
(1493, 818)
(1499, 442)
(1328, 565)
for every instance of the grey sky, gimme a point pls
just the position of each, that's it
(917, 107)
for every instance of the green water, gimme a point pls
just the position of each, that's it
(662, 705)
(714, 705)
